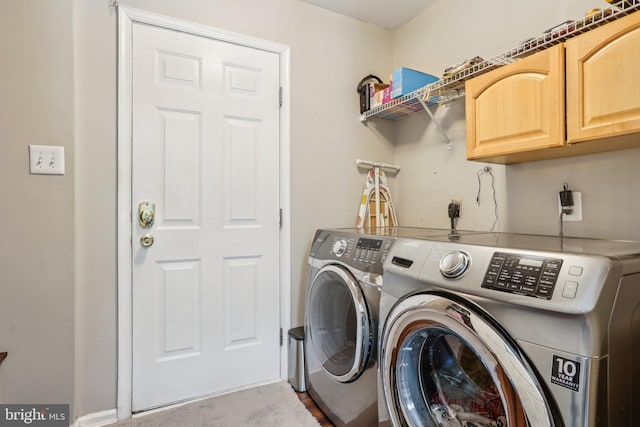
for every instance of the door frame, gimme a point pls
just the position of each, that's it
(127, 17)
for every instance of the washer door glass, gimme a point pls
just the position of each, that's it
(445, 365)
(338, 323)
(440, 378)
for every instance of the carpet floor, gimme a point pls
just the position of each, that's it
(272, 405)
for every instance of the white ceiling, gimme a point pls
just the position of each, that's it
(388, 14)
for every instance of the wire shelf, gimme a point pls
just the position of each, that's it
(451, 88)
(402, 107)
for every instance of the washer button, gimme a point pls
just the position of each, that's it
(575, 271)
(570, 289)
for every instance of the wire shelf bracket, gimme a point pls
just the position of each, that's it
(436, 122)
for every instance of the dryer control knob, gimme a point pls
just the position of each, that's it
(454, 264)
(339, 247)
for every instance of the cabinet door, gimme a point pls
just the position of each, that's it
(517, 108)
(603, 81)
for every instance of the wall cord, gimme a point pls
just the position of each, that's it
(489, 170)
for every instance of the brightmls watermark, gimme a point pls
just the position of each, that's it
(34, 415)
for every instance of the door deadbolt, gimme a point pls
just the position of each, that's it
(147, 240)
(146, 214)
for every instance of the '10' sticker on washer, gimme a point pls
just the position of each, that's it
(565, 373)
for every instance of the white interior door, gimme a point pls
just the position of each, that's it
(205, 140)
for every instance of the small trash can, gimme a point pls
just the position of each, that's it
(296, 359)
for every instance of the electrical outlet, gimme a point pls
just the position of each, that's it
(576, 214)
(46, 160)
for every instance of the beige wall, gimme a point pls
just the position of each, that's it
(609, 186)
(448, 32)
(36, 244)
(96, 216)
(329, 55)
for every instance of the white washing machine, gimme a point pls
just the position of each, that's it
(510, 330)
(341, 322)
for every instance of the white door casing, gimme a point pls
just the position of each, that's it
(205, 297)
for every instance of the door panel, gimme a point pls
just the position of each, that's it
(205, 141)
(179, 314)
(240, 172)
(241, 290)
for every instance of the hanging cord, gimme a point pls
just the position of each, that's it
(489, 170)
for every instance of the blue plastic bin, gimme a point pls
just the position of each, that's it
(406, 80)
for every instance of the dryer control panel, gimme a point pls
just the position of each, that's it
(368, 250)
(363, 253)
(522, 274)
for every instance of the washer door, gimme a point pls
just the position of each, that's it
(338, 324)
(444, 364)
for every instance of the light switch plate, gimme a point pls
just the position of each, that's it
(46, 160)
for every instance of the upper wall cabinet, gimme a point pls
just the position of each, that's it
(603, 81)
(517, 112)
(517, 108)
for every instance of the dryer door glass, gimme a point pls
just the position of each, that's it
(447, 365)
(338, 323)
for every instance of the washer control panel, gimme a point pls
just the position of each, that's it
(522, 274)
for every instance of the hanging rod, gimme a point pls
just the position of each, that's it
(377, 165)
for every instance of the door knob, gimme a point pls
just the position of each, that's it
(146, 240)
(146, 214)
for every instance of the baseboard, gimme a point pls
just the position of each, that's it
(97, 419)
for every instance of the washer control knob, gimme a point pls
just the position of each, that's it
(454, 264)
(339, 247)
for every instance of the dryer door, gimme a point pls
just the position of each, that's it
(445, 364)
(338, 324)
